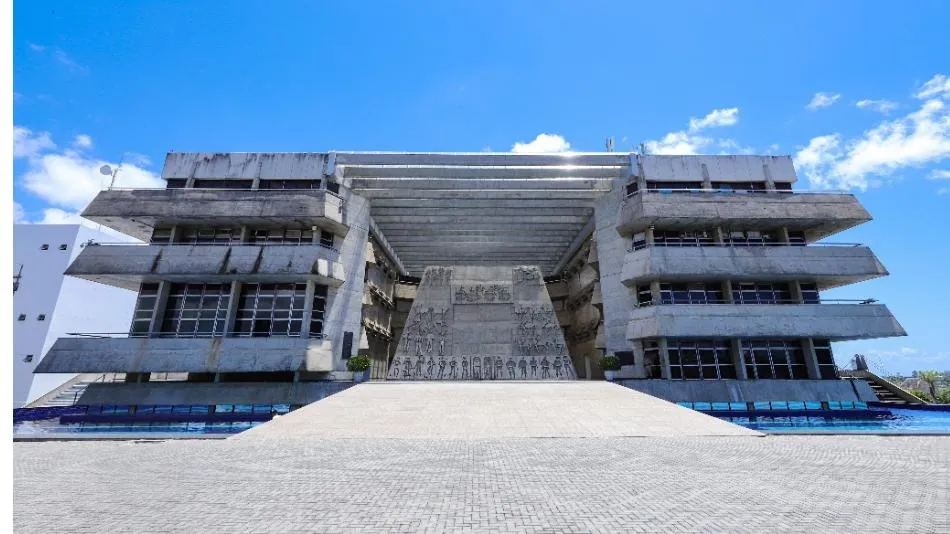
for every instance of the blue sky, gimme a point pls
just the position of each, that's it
(99, 82)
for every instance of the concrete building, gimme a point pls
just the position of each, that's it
(47, 305)
(266, 272)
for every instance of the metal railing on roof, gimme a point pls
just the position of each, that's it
(740, 244)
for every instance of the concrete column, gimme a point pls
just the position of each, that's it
(769, 183)
(811, 359)
(719, 235)
(738, 359)
(159, 312)
(190, 182)
(664, 359)
(783, 235)
(233, 303)
(256, 183)
(795, 288)
(655, 292)
(707, 181)
(308, 309)
(648, 235)
(727, 292)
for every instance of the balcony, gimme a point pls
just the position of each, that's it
(136, 212)
(837, 322)
(828, 265)
(88, 353)
(817, 214)
(128, 265)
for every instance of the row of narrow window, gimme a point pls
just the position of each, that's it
(705, 238)
(232, 236)
(652, 185)
(180, 183)
(45, 246)
(742, 293)
(775, 359)
(200, 310)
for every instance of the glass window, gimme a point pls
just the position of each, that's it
(283, 236)
(270, 310)
(700, 360)
(761, 293)
(195, 310)
(774, 359)
(632, 188)
(810, 293)
(673, 186)
(209, 236)
(827, 369)
(289, 184)
(639, 241)
(644, 295)
(326, 239)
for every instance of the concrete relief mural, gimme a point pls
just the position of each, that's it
(510, 337)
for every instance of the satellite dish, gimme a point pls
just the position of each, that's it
(105, 170)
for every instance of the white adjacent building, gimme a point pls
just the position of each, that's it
(47, 305)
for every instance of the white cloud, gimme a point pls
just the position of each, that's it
(26, 144)
(822, 100)
(72, 65)
(19, 214)
(688, 143)
(943, 191)
(881, 106)
(58, 216)
(938, 86)
(716, 117)
(774, 148)
(82, 141)
(939, 175)
(37, 48)
(70, 179)
(543, 143)
(919, 138)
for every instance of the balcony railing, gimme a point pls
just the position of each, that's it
(176, 335)
(217, 244)
(737, 244)
(738, 191)
(763, 303)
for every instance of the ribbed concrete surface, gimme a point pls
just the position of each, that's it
(490, 410)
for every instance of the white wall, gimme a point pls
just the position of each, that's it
(70, 304)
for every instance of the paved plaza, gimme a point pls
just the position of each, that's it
(307, 472)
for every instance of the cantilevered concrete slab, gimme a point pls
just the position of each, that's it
(490, 410)
(481, 208)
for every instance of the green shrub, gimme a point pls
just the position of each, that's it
(919, 394)
(358, 363)
(610, 363)
(943, 396)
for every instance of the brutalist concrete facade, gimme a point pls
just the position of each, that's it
(276, 268)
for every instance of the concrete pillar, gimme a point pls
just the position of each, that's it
(256, 183)
(655, 292)
(648, 235)
(233, 304)
(727, 292)
(738, 359)
(707, 181)
(664, 359)
(795, 288)
(769, 183)
(307, 309)
(159, 312)
(811, 359)
(719, 236)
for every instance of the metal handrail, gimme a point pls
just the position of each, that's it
(233, 244)
(742, 191)
(782, 302)
(635, 248)
(170, 335)
(323, 190)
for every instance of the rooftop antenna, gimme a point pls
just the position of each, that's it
(107, 170)
(643, 148)
(610, 144)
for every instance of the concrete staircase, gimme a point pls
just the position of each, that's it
(70, 392)
(887, 392)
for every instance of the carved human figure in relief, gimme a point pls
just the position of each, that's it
(488, 368)
(557, 367)
(441, 368)
(499, 364)
(395, 368)
(407, 368)
(452, 369)
(430, 367)
(523, 367)
(545, 367)
(476, 368)
(419, 363)
(465, 368)
(534, 367)
(510, 364)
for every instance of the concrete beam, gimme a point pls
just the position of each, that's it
(576, 244)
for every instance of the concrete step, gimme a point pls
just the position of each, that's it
(488, 410)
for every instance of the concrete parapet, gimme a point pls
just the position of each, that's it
(819, 215)
(829, 266)
(137, 212)
(837, 322)
(126, 266)
(192, 355)
(185, 393)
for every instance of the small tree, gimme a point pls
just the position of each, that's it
(610, 363)
(930, 377)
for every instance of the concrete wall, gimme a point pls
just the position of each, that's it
(209, 355)
(754, 390)
(819, 214)
(127, 266)
(345, 304)
(830, 265)
(178, 393)
(718, 168)
(611, 250)
(834, 321)
(245, 165)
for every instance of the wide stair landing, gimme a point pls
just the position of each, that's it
(489, 410)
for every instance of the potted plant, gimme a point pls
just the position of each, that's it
(359, 365)
(610, 364)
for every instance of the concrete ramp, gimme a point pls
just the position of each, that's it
(491, 410)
